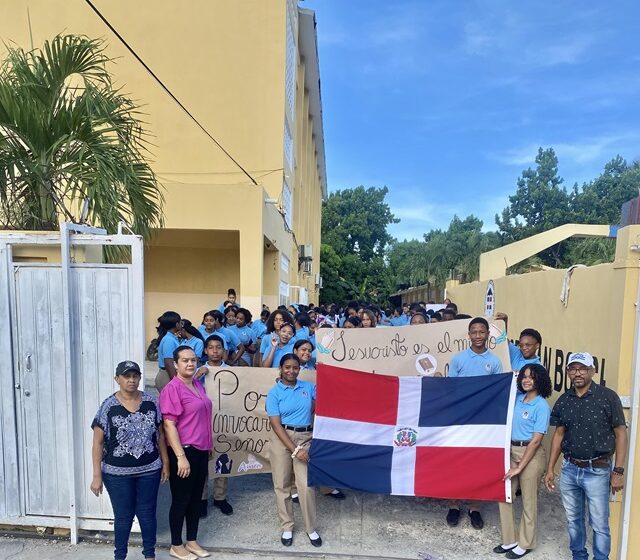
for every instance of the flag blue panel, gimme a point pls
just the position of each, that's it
(455, 401)
(349, 465)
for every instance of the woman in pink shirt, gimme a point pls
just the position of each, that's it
(187, 413)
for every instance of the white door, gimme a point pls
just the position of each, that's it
(41, 390)
(101, 313)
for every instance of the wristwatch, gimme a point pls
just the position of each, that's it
(618, 470)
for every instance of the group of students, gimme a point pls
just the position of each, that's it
(139, 442)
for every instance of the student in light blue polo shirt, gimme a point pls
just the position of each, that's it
(474, 361)
(280, 345)
(290, 404)
(211, 323)
(169, 325)
(232, 299)
(278, 318)
(528, 460)
(477, 359)
(302, 324)
(526, 352)
(246, 336)
(399, 319)
(259, 326)
(191, 337)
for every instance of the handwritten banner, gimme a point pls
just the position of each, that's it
(408, 350)
(241, 428)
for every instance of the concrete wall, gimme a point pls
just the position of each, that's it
(600, 318)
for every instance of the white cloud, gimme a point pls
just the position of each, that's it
(598, 149)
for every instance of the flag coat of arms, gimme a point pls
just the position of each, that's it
(437, 437)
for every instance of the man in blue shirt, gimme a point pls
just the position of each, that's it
(475, 360)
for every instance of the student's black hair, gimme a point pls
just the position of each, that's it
(181, 348)
(452, 306)
(421, 314)
(231, 292)
(188, 326)
(303, 319)
(166, 322)
(415, 307)
(247, 314)
(540, 377)
(355, 321)
(214, 338)
(286, 317)
(463, 316)
(230, 308)
(282, 308)
(448, 311)
(290, 325)
(431, 302)
(352, 305)
(479, 321)
(225, 303)
(301, 342)
(286, 357)
(216, 314)
(398, 310)
(437, 316)
(264, 314)
(533, 333)
(422, 303)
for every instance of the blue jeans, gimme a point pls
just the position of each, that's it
(592, 484)
(133, 496)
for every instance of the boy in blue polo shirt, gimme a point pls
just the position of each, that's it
(475, 360)
(526, 352)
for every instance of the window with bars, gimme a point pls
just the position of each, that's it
(288, 146)
(287, 203)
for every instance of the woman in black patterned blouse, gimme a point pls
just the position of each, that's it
(130, 458)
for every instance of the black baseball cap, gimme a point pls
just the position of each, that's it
(126, 366)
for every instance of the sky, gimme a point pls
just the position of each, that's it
(446, 102)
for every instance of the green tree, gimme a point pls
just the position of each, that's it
(354, 242)
(68, 137)
(600, 201)
(443, 254)
(355, 221)
(539, 203)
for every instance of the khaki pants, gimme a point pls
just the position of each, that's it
(528, 481)
(220, 485)
(283, 467)
(162, 379)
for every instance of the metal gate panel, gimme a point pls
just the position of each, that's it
(102, 338)
(65, 327)
(42, 394)
(9, 479)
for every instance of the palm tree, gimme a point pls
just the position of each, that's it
(69, 140)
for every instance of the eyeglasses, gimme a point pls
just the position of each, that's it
(582, 370)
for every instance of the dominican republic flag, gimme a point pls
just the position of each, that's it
(441, 437)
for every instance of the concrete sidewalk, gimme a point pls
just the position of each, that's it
(363, 526)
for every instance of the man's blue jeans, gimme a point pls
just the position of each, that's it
(589, 484)
(133, 496)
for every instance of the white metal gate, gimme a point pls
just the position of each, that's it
(65, 327)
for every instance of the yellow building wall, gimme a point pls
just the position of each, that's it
(600, 318)
(225, 62)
